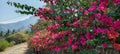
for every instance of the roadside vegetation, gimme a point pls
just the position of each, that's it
(11, 38)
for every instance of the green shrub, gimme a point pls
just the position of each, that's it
(17, 38)
(3, 44)
(41, 24)
(12, 43)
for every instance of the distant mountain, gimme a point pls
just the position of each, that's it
(21, 25)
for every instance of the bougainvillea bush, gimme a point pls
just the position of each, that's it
(78, 25)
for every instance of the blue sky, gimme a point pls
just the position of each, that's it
(8, 15)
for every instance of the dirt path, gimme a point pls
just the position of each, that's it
(17, 49)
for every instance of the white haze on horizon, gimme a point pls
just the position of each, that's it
(14, 20)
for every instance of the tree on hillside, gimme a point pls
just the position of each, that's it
(1, 33)
(13, 31)
(7, 33)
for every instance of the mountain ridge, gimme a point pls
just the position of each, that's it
(20, 25)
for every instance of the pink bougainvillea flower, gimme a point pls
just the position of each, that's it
(93, 7)
(94, 3)
(54, 26)
(61, 36)
(74, 47)
(75, 24)
(104, 45)
(104, 31)
(51, 47)
(88, 36)
(65, 35)
(112, 34)
(70, 41)
(102, 6)
(50, 10)
(116, 46)
(105, 20)
(43, 10)
(116, 1)
(75, 19)
(55, 35)
(50, 27)
(92, 17)
(43, 17)
(105, 1)
(77, 43)
(111, 28)
(98, 15)
(58, 17)
(73, 36)
(83, 40)
(116, 25)
(65, 46)
(80, 8)
(85, 24)
(109, 21)
(99, 30)
(68, 24)
(36, 37)
(67, 32)
(57, 48)
(36, 32)
(50, 41)
(86, 12)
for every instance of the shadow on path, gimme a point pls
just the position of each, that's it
(29, 51)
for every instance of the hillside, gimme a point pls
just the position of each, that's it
(21, 25)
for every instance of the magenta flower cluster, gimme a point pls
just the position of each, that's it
(77, 31)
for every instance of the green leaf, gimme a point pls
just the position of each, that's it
(90, 42)
(23, 8)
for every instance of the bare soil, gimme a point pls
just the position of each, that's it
(18, 49)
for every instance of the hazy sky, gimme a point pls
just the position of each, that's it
(7, 12)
